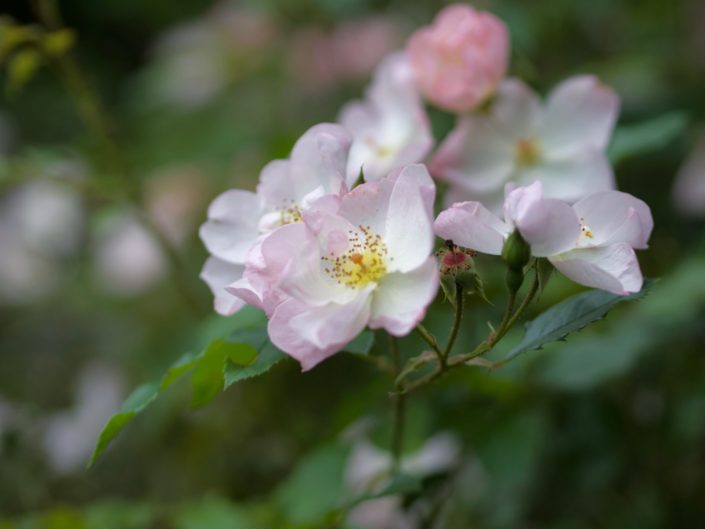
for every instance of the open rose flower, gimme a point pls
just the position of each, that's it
(591, 242)
(363, 260)
(390, 127)
(560, 143)
(460, 60)
(238, 219)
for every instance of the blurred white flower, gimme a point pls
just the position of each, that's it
(70, 436)
(127, 259)
(194, 61)
(689, 188)
(41, 223)
(369, 468)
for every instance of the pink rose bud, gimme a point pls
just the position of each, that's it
(461, 58)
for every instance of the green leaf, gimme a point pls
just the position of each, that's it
(570, 316)
(138, 400)
(245, 353)
(649, 135)
(315, 488)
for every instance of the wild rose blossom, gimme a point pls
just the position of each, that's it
(591, 242)
(238, 219)
(364, 259)
(461, 58)
(560, 143)
(390, 127)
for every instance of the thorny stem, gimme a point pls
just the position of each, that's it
(429, 339)
(399, 408)
(459, 301)
(509, 319)
(98, 121)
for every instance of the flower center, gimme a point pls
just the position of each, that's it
(364, 262)
(526, 152)
(290, 215)
(585, 233)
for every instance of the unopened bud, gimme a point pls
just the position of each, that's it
(516, 252)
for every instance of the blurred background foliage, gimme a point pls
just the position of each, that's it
(607, 430)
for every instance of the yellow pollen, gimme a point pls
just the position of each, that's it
(526, 153)
(585, 230)
(290, 215)
(364, 262)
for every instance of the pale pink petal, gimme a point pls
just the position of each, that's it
(408, 231)
(613, 216)
(259, 284)
(401, 299)
(516, 110)
(614, 268)
(217, 275)
(316, 167)
(231, 229)
(293, 255)
(471, 225)
(319, 159)
(571, 178)
(549, 226)
(312, 334)
(580, 113)
(475, 157)
(390, 128)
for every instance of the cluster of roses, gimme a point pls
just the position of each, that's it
(325, 258)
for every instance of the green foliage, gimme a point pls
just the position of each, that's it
(570, 316)
(646, 136)
(315, 489)
(245, 353)
(673, 305)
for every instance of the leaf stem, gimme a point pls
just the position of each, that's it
(429, 339)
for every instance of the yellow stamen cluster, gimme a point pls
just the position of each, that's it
(364, 262)
(585, 229)
(290, 215)
(526, 153)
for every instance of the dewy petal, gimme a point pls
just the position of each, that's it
(580, 112)
(401, 299)
(316, 165)
(471, 225)
(312, 334)
(549, 226)
(475, 157)
(217, 275)
(390, 128)
(572, 177)
(232, 229)
(614, 268)
(613, 216)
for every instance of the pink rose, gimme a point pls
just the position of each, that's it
(460, 59)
